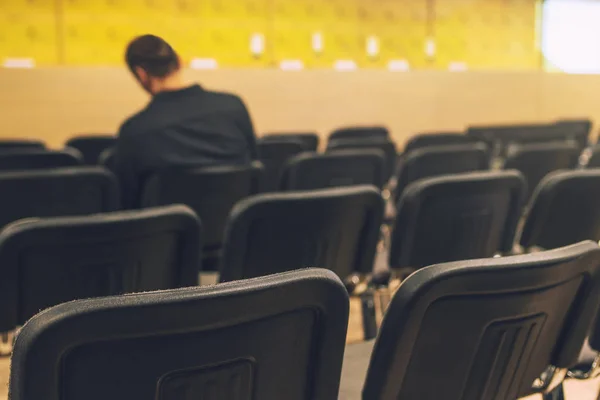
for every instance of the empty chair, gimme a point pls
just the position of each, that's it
(440, 160)
(44, 262)
(59, 192)
(340, 168)
(273, 338)
(360, 132)
(274, 154)
(458, 217)
(480, 329)
(535, 161)
(484, 329)
(39, 159)
(211, 192)
(577, 129)
(384, 145)
(336, 229)
(564, 210)
(438, 139)
(21, 144)
(310, 140)
(92, 146)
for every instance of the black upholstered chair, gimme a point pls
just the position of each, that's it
(457, 217)
(211, 192)
(337, 229)
(360, 132)
(480, 329)
(564, 210)
(576, 129)
(59, 192)
(21, 144)
(91, 146)
(501, 137)
(44, 262)
(335, 169)
(386, 146)
(424, 140)
(274, 155)
(273, 338)
(535, 161)
(440, 160)
(30, 159)
(310, 140)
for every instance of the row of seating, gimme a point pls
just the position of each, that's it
(477, 329)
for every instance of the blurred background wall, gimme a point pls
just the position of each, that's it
(424, 33)
(413, 65)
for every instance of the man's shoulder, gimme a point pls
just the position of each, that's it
(133, 124)
(224, 97)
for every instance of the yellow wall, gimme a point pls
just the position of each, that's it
(482, 33)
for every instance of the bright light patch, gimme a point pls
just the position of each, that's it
(571, 35)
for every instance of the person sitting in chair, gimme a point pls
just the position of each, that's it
(183, 125)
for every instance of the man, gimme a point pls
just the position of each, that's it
(183, 125)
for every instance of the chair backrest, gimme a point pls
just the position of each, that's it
(211, 192)
(91, 146)
(335, 169)
(564, 210)
(45, 262)
(500, 137)
(273, 338)
(310, 140)
(360, 132)
(440, 160)
(438, 139)
(274, 154)
(29, 159)
(21, 144)
(485, 329)
(535, 161)
(337, 229)
(59, 192)
(577, 129)
(386, 146)
(457, 217)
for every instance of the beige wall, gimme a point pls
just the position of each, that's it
(54, 103)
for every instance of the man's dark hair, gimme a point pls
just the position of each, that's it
(153, 54)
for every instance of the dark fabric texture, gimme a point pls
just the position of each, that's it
(187, 127)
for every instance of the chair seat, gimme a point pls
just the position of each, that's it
(354, 370)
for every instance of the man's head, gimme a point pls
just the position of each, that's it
(152, 61)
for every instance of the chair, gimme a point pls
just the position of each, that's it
(423, 140)
(335, 169)
(501, 137)
(309, 140)
(91, 146)
(60, 192)
(274, 154)
(440, 160)
(577, 129)
(564, 210)
(273, 338)
(384, 145)
(30, 159)
(360, 132)
(210, 191)
(535, 161)
(45, 262)
(457, 217)
(337, 229)
(21, 144)
(481, 329)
